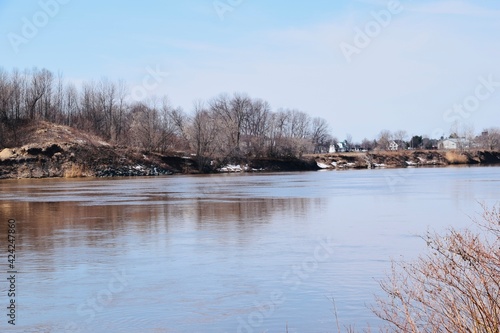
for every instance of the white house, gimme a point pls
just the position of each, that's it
(393, 145)
(454, 144)
(340, 147)
(449, 144)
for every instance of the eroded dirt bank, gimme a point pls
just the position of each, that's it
(51, 150)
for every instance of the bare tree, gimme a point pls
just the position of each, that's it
(204, 133)
(276, 133)
(400, 136)
(367, 144)
(146, 129)
(5, 96)
(348, 142)
(169, 131)
(320, 135)
(489, 139)
(384, 139)
(255, 127)
(299, 124)
(468, 135)
(58, 100)
(118, 114)
(181, 122)
(106, 91)
(90, 119)
(70, 106)
(232, 113)
(38, 88)
(454, 288)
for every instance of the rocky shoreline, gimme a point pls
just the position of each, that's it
(406, 158)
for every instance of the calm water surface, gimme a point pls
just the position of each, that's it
(222, 253)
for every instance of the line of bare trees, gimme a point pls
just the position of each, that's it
(226, 126)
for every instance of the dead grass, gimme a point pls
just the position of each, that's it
(75, 171)
(454, 157)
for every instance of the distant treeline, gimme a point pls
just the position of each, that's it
(227, 126)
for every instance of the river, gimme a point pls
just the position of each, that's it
(222, 253)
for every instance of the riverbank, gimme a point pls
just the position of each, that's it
(406, 158)
(59, 151)
(53, 150)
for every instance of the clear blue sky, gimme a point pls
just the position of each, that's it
(427, 57)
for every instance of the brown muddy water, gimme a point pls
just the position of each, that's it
(220, 253)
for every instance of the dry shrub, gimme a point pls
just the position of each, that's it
(454, 288)
(454, 157)
(75, 171)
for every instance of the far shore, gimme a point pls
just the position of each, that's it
(77, 159)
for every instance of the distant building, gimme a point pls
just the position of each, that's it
(393, 145)
(451, 144)
(340, 147)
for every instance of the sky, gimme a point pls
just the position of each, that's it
(427, 67)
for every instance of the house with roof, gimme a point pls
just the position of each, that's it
(393, 145)
(454, 143)
(340, 147)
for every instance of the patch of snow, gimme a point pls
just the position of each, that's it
(231, 168)
(322, 165)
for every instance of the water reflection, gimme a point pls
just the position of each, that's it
(43, 225)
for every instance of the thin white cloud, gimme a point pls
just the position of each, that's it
(453, 7)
